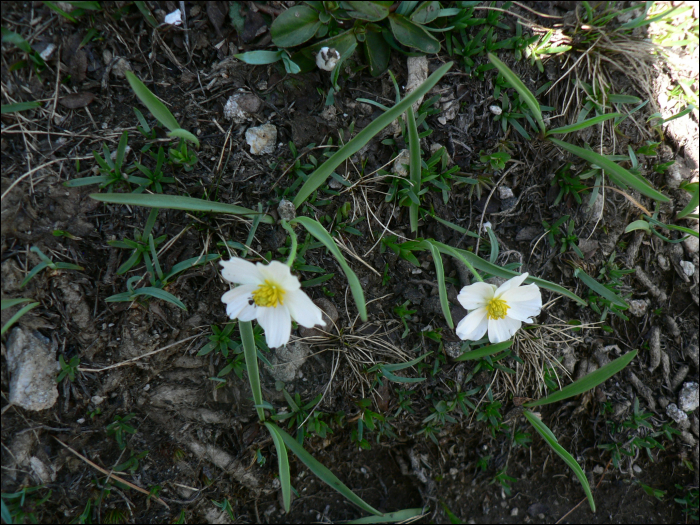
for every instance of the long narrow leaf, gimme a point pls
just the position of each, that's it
(12, 320)
(547, 435)
(407, 364)
(600, 289)
(486, 350)
(587, 382)
(613, 170)
(691, 205)
(414, 165)
(173, 202)
(406, 515)
(485, 266)
(157, 293)
(155, 106)
(9, 303)
(251, 363)
(522, 90)
(442, 287)
(582, 125)
(318, 231)
(324, 171)
(324, 474)
(184, 134)
(19, 106)
(283, 462)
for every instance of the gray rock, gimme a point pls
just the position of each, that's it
(677, 415)
(453, 349)
(261, 139)
(528, 233)
(688, 399)
(288, 360)
(688, 268)
(286, 210)
(33, 368)
(241, 106)
(638, 307)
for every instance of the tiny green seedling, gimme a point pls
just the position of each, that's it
(119, 428)
(68, 369)
(567, 237)
(47, 263)
(221, 341)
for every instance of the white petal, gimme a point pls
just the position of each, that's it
(237, 299)
(303, 310)
(240, 271)
(473, 326)
(502, 329)
(476, 295)
(279, 273)
(249, 312)
(524, 302)
(277, 325)
(511, 284)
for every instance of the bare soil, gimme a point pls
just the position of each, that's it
(204, 443)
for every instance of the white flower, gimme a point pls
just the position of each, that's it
(270, 294)
(501, 310)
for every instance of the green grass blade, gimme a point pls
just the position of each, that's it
(442, 287)
(406, 515)
(407, 364)
(184, 134)
(486, 350)
(157, 293)
(174, 202)
(691, 205)
(86, 181)
(33, 272)
(318, 231)
(582, 125)
(9, 303)
(324, 171)
(600, 289)
(20, 106)
(146, 13)
(547, 435)
(641, 224)
(251, 363)
(613, 170)
(12, 320)
(587, 382)
(414, 165)
(522, 90)
(485, 266)
(324, 474)
(283, 462)
(155, 106)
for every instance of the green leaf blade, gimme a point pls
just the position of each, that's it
(155, 106)
(295, 26)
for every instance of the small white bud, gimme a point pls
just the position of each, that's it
(327, 58)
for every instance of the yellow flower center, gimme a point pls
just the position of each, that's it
(496, 309)
(268, 294)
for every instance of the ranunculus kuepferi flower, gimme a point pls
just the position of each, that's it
(500, 311)
(270, 294)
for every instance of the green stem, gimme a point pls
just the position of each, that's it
(293, 236)
(150, 222)
(251, 363)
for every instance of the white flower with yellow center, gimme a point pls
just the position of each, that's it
(270, 294)
(500, 311)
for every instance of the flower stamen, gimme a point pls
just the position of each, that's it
(496, 309)
(268, 295)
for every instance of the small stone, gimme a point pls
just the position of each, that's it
(496, 110)
(261, 139)
(638, 307)
(286, 210)
(120, 67)
(96, 400)
(327, 58)
(287, 361)
(514, 511)
(504, 192)
(598, 470)
(677, 415)
(453, 349)
(241, 106)
(637, 469)
(691, 243)
(664, 264)
(401, 163)
(174, 18)
(688, 268)
(32, 364)
(688, 399)
(528, 233)
(46, 474)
